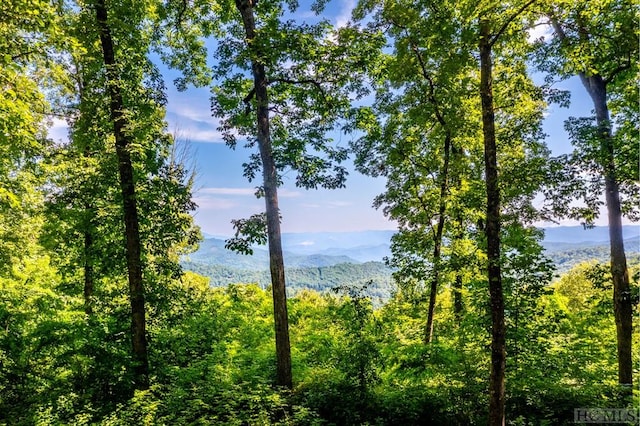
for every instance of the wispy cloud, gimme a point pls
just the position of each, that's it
(201, 135)
(329, 205)
(305, 14)
(194, 124)
(228, 191)
(287, 193)
(282, 193)
(212, 203)
(344, 16)
(192, 113)
(339, 204)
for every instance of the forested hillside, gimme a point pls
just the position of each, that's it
(324, 273)
(111, 314)
(566, 259)
(376, 276)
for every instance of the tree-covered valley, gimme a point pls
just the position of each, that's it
(362, 259)
(114, 310)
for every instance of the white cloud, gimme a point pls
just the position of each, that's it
(228, 191)
(191, 118)
(282, 193)
(206, 135)
(334, 204)
(541, 29)
(59, 123)
(210, 203)
(306, 243)
(287, 193)
(344, 16)
(201, 115)
(327, 205)
(59, 130)
(305, 14)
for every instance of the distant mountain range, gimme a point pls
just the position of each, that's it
(318, 258)
(331, 248)
(561, 237)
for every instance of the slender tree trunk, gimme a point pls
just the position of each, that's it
(444, 187)
(623, 310)
(127, 186)
(457, 283)
(458, 307)
(435, 280)
(622, 305)
(492, 230)
(88, 272)
(276, 260)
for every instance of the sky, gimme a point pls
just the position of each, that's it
(223, 193)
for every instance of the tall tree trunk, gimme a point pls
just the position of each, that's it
(88, 247)
(127, 187)
(492, 230)
(444, 188)
(457, 283)
(276, 260)
(435, 280)
(88, 271)
(623, 309)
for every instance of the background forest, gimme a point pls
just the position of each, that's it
(444, 101)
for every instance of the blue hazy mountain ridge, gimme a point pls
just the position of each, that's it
(302, 250)
(575, 237)
(332, 248)
(322, 261)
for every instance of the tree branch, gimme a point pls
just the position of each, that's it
(620, 68)
(509, 21)
(313, 82)
(181, 13)
(427, 77)
(247, 101)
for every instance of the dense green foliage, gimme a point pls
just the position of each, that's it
(100, 324)
(211, 356)
(376, 275)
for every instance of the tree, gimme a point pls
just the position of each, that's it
(297, 80)
(28, 36)
(94, 182)
(498, 329)
(416, 137)
(491, 30)
(123, 144)
(270, 188)
(511, 133)
(598, 42)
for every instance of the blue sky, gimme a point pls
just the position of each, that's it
(223, 194)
